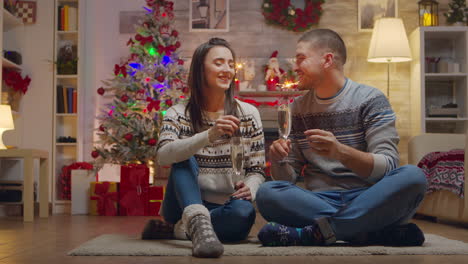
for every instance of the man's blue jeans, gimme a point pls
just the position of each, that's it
(231, 221)
(391, 201)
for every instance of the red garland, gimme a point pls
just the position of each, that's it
(14, 80)
(65, 177)
(283, 13)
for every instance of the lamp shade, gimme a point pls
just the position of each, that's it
(389, 42)
(6, 119)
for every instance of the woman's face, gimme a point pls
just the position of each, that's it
(219, 69)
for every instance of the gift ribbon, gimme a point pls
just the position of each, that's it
(168, 50)
(105, 199)
(143, 40)
(131, 200)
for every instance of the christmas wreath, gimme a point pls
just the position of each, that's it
(286, 15)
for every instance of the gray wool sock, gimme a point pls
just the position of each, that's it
(205, 243)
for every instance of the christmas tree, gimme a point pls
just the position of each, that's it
(458, 12)
(144, 87)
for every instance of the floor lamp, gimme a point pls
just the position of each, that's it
(389, 44)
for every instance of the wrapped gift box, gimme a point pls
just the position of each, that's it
(133, 192)
(156, 196)
(80, 183)
(103, 198)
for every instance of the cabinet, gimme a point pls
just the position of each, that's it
(67, 93)
(439, 90)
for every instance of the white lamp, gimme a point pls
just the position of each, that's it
(6, 122)
(389, 43)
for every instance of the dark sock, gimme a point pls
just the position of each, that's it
(407, 235)
(157, 229)
(277, 235)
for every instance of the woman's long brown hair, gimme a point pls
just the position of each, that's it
(197, 79)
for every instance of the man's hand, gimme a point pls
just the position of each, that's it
(224, 125)
(242, 191)
(279, 149)
(324, 143)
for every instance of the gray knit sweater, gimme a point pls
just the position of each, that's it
(359, 116)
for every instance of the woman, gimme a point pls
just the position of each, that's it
(202, 200)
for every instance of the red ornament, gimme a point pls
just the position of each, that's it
(152, 142)
(160, 78)
(101, 91)
(180, 62)
(124, 98)
(94, 154)
(164, 14)
(128, 137)
(174, 33)
(177, 44)
(169, 102)
(102, 128)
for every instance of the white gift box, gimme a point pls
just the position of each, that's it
(80, 182)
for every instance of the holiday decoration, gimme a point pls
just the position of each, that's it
(65, 178)
(457, 13)
(273, 73)
(144, 87)
(155, 196)
(14, 80)
(133, 193)
(284, 14)
(103, 198)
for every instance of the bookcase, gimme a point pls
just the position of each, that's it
(11, 39)
(67, 88)
(439, 90)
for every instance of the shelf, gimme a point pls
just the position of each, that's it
(62, 202)
(452, 119)
(445, 76)
(10, 21)
(65, 144)
(9, 64)
(71, 76)
(67, 114)
(67, 32)
(271, 93)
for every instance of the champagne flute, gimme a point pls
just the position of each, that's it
(237, 158)
(284, 120)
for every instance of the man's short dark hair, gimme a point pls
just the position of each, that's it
(326, 39)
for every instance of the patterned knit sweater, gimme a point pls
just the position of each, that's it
(178, 142)
(359, 116)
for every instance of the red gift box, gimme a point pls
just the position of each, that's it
(133, 193)
(103, 198)
(156, 196)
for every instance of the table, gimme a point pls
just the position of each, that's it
(28, 155)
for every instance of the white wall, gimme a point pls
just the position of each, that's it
(104, 46)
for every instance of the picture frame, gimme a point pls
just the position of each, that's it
(371, 10)
(209, 15)
(128, 20)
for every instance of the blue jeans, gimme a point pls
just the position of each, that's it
(231, 221)
(391, 201)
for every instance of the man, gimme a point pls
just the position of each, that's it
(344, 142)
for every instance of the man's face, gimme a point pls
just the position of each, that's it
(309, 65)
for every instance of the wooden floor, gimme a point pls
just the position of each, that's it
(48, 241)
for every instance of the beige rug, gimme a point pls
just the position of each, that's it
(123, 245)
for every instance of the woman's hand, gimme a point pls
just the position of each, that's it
(242, 192)
(227, 124)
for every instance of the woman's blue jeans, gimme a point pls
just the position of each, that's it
(231, 221)
(391, 201)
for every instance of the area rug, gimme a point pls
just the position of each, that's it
(124, 245)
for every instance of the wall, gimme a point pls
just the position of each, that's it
(252, 38)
